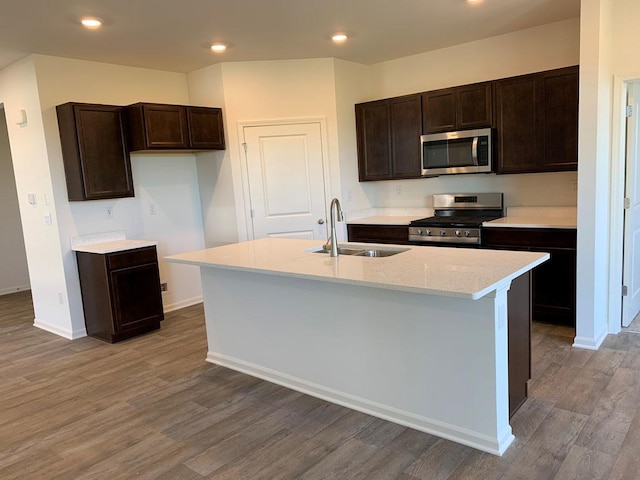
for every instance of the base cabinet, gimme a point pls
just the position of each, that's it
(120, 293)
(553, 282)
(397, 234)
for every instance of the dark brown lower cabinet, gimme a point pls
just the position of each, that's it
(553, 282)
(397, 234)
(121, 294)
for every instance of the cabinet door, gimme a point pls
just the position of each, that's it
(518, 144)
(95, 152)
(473, 106)
(166, 126)
(136, 296)
(439, 111)
(554, 287)
(374, 148)
(205, 128)
(558, 113)
(406, 128)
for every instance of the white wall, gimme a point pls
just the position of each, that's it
(259, 91)
(594, 137)
(626, 54)
(542, 48)
(215, 174)
(19, 90)
(14, 275)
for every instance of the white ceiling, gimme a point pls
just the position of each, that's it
(175, 35)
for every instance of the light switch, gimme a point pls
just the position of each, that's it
(47, 218)
(32, 198)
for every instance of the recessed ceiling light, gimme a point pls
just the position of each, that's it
(91, 22)
(218, 47)
(339, 38)
(474, 2)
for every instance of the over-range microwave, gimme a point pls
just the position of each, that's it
(466, 151)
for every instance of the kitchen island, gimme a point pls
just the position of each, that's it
(418, 338)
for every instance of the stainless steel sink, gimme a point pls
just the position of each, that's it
(364, 252)
(380, 253)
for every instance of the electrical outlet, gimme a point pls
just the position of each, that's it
(60, 298)
(164, 287)
(109, 212)
(152, 209)
(349, 195)
(398, 189)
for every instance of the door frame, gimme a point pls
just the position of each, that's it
(617, 193)
(244, 210)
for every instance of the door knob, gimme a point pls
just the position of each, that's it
(321, 221)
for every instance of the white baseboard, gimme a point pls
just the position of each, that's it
(184, 303)
(19, 288)
(401, 417)
(588, 343)
(63, 332)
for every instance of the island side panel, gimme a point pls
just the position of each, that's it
(433, 363)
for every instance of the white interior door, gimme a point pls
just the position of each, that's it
(285, 165)
(631, 262)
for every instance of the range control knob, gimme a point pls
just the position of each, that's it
(419, 231)
(467, 233)
(458, 232)
(428, 232)
(443, 232)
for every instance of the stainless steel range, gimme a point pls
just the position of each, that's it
(457, 220)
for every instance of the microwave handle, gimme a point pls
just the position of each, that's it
(474, 151)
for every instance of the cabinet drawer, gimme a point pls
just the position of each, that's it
(534, 238)
(378, 233)
(132, 258)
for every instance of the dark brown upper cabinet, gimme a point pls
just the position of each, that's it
(458, 108)
(388, 136)
(537, 122)
(95, 151)
(175, 127)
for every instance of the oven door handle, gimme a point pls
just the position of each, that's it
(474, 151)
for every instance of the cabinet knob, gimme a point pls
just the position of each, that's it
(320, 221)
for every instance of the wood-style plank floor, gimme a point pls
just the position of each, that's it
(152, 408)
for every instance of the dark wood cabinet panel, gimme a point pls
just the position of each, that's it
(458, 108)
(558, 108)
(95, 152)
(396, 234)
(374, 142)
(473, 106)
(388, 134)
(516, 125)
(121, 294)
(175, 127)
(537, 122)
(553, 282)
(519, 321)
(405, 115)
(205, 128)
(439, 111)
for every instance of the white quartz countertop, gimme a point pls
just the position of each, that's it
(452, 272)
(532, 222)
(385, 220)
(113, 246)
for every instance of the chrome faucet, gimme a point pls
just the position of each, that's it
(332, 241)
